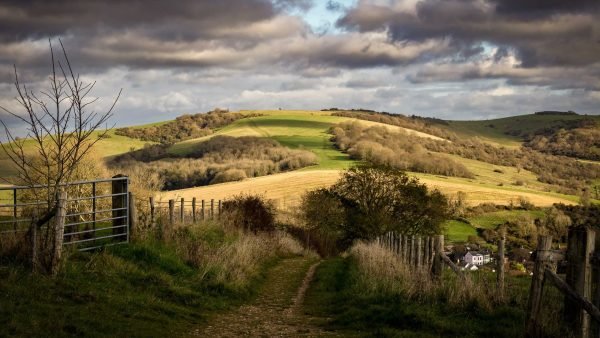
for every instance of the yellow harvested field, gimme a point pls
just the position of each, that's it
(286, 189)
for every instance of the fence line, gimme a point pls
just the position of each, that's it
(183, 210)
(93, 213)
(427, 252)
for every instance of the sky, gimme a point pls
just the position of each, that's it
(451, 59)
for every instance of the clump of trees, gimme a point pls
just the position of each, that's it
(369, 201)
(217, 160)
(580, 143)
(184, 127)
(423, 124)
(381, 146)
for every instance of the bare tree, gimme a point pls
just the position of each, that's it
(63, 127)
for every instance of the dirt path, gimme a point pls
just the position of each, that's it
(276, 312)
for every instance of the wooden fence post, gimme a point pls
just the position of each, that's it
(426, 253)
(412, 250)
(580, 246)
(119, 204)
(405, 249)
(438, 261)
(182, 211)
(171, 212)
(203, 208)
(543, 256)
(212, 208)
(152, 219)
(15, 209)
(220, 208)
(419, 252)
(500, 267)
(194, 209)
(59, 232)
(132, 217)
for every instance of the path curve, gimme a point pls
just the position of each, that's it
(276, 312)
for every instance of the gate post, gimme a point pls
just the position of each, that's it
(132, 216)
(581, 242)
(119, 204)
(542, 257)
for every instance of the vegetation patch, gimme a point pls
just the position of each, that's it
(149, 288)
(217, 160)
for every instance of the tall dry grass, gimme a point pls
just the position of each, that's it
(227, 255)
(382, 272)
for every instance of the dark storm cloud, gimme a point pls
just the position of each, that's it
(188, 19)
(555, 32)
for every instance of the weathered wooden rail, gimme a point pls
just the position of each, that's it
(581, 286)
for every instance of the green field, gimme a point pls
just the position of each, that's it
(457, 231)
(294, 129)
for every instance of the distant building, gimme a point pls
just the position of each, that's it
(474, 257)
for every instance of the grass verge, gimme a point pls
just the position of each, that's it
(375, 302)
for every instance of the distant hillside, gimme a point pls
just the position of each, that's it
(558, 133)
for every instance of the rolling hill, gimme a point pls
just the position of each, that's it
(309, 130)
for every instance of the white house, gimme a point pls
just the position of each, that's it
(474, 257)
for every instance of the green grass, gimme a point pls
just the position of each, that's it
(304, 130)
(137, 290)
(457, 231)
(493, 219)
(333, 294)
(107, 147)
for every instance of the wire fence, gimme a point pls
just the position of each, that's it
(97, 211)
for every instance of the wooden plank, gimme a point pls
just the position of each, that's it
(405, 249)
(543, 255)
(580, 246)
(426, 253)
(419, 254)
(119, 203)
(194, 209)
(451, 264)
(152, 211)
(590, 308)
(133, 218)
(171, 211)
(182, 211)
(438, 261)
(412, 250)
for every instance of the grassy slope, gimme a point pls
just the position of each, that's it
(353, 312)
(107, 147)
(457, 231)
(524, 123)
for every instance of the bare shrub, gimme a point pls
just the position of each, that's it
(229, 175)
(249, 213)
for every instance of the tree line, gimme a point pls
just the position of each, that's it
(382, 146)
(184, 127)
